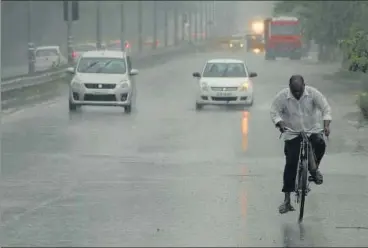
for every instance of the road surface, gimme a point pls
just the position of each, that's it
(167, 175)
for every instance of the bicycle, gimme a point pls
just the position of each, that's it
(306, 160)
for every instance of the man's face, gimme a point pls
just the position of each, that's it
(297, 89)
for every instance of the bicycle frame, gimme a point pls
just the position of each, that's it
(303, 164)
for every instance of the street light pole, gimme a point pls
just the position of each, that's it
(154, 43)
(98, 24)
(31, 46)
(196, 24)
(166, 24)
(122, 26)
(140, 27)
(176, 23)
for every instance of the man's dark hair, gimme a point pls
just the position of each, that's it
(294, 78)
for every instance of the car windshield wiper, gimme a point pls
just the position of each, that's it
(90, 66)
(104, 66)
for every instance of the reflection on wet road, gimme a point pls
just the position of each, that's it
(167, 175)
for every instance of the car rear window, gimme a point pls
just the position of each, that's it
(46, 52)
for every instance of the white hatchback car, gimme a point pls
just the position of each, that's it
(103, 78)
(48, 57)
(224, 82)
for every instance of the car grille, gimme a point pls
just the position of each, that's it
(225, 98)
(224, 88)
(100, 98)
(103, 86)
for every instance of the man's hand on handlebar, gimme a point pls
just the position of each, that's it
(326, 128)
(281, 126)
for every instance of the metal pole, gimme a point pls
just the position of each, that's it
(191, 24)
(0, 82)
(182, 24)
(140, 27)
(31, 46)
(70, 39)
(154, 43)
(201, 19)
(176, 24)
(195, 24)
(166, 29)
(122, 26)
(98, 25)
(206, 19)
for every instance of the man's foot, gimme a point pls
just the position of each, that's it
(286, 207)
(317, 177)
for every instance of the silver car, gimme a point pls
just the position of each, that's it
(103, 78)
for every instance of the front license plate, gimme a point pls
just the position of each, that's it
(99, 93)
(224, 94)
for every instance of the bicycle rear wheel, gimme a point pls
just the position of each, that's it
(303, 187)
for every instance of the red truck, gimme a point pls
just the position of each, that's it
(283, 38)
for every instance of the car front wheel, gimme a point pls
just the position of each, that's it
(128, 109)
(199, 106)
(72, 106)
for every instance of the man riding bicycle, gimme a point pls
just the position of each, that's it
(296, 107)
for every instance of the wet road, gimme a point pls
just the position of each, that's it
(167, 175)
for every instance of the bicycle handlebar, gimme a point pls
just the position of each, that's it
(293, 132)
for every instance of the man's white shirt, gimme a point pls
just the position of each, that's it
(305, 114)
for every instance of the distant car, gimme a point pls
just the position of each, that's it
(237, 42)
(224, 82)
(103, 78)
(48, 57)
(79, 49)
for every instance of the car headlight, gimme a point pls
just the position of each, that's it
(204, 86)
(241, 45)
(76, 84)
(244, 86)
(124, 84)
(231, 45)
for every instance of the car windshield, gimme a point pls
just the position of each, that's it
(46, 52)
(225, 70)
(84, 48)
(102, 65)
(285, 29)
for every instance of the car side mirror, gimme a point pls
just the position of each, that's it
(70, 70)
(196, 74)
(133, 72)
(253, 74)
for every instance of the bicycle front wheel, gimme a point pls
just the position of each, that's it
(303, 184)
